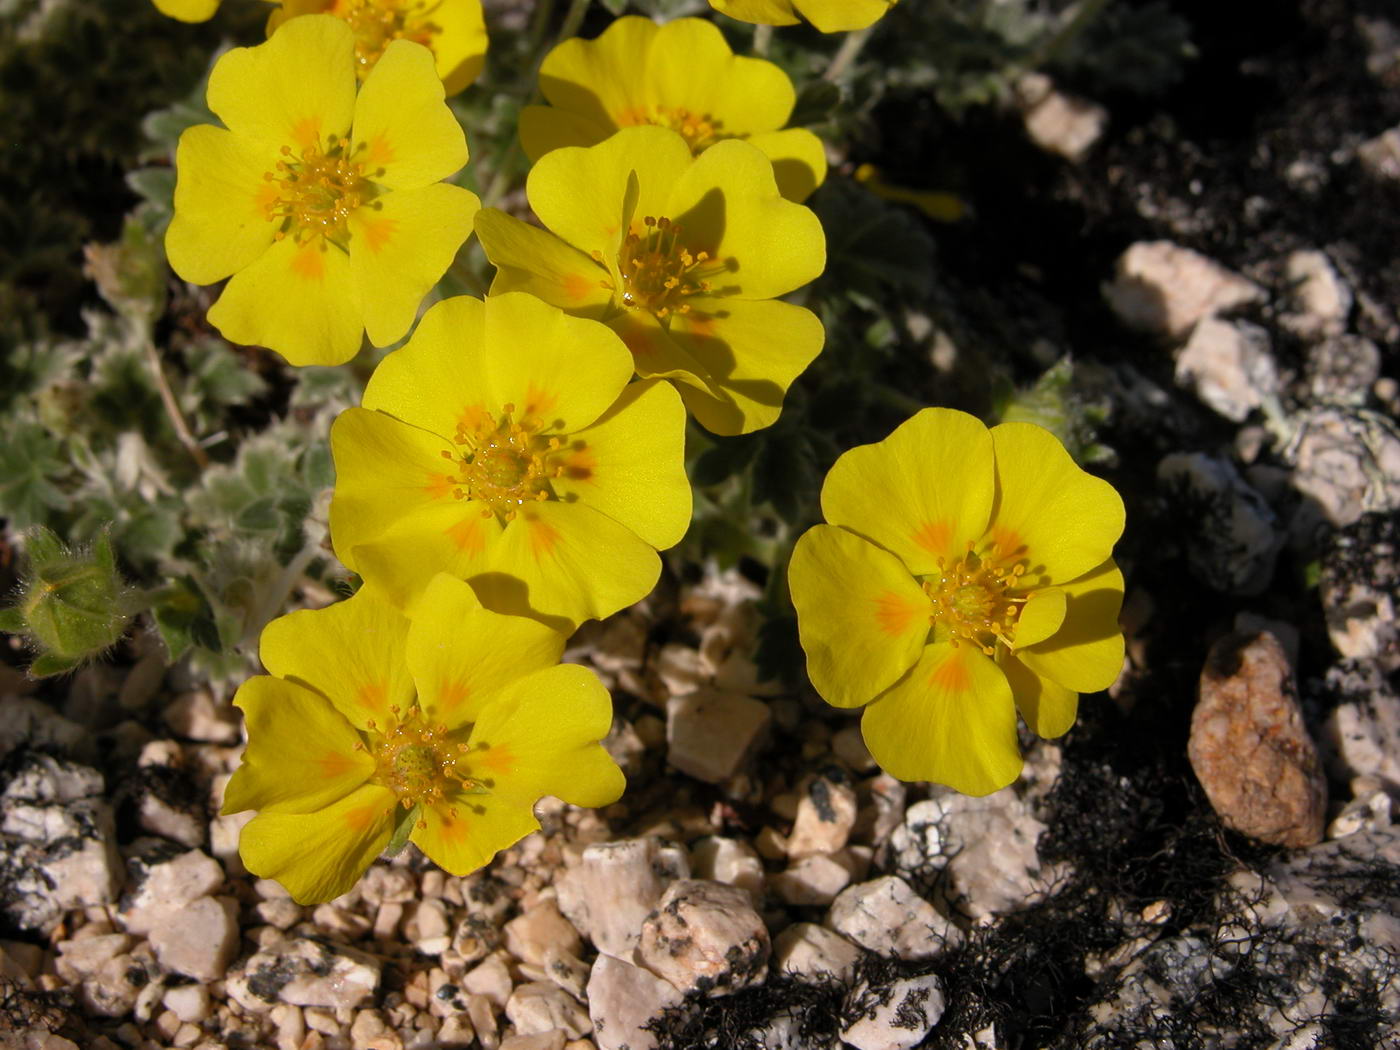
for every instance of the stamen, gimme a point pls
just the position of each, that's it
(975, 600)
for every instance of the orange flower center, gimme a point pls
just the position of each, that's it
(506, 463)
(420, 763)
(700, 130)
(659, 272)
(314, 192)
(974, 600)
(378, 23)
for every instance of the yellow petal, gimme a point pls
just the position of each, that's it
(529, 259)
(580, 193)
(1048, 708)
(760, 12)
(799, 160)
(1040, 617)
(319, 856)
(655, 353)
(409, 136)
(840, 16)
(465, 833)
(435, 378)
(296, 90)
(455, 537)
(923, 493)
(862, 619)
(603, 78)
(692, 68)
(728, 204)
(463, 655)
(351, 652)
(749, 353)
(221, 223)
(566, 561)
(1063, 520)
(297, 299)
(301, 751)
(630, 464)
(459, 46)
(952, 720)
(400, 247)
(541, 736)
(565, 371)
(543, 128)
(385, 470)
(1086, 653)
(188, 10)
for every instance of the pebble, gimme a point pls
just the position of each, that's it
(83, 955)
(303, 971)
(566, 970)
(551, 1040)
(1165, 289)
(1057, 122)
(614, 886)
(1229, 366)
(887, 917)
(1362, 730)
(491, 979)
(200, 942)
(711, 734)
(196, 716)
(528, 935)
(1342, 369)
(162, 882)
(814, 953)
(730, 861)
(892, 1016)
(1321, 298)
(826, 812)
(812, 880)
(1234, 545)
(1249, 747)
(536, 1007)
(1360, 591)
(1347, 463)
(705, 937)
(188, 1002)
(622, 999)
(1380, 156)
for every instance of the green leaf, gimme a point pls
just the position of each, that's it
(259, 516)
(785, 476)
(46, 664)
(403, 827)
(873, 249)
(30, 462)
(184, 618)
(816, 102)
(727, 457)
(11, 620)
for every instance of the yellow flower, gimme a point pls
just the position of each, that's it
(459, 721)
(453, 30)
(503, 444)
(188, 10)
(830, 16)
(682, 256)
(681, 75)
(326, 207)
(966, 574)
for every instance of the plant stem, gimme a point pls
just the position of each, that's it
(172, 407)
(1078, 17)
(762, 37)
(846, 54)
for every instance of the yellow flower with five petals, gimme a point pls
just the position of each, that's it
(453, 30)
(503, 444)
(450, 727)
(681, 75)
(829, 16)
(966, 574)
(324, 205)
(683, 256)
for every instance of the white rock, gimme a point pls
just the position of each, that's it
(613, 888)
(1380, 156)
(303, 971)
(24, 720)
(893, 1016)
(1164, 289)
(539, 1007)
(162, 883)
(566, 970)
(730, 861)
(1347, 463)
(622, 998)
(159, 816)
(815, 953)
(1342, 369)
(199, 940)
(710, 734)
(826, 812)
(1360, 733)
(529, 934)
(1229, 366)
(1057, 122)
(887, 917)
(706, 937)
(83, 956)
(490, 978)
(196, 716)
(188, 1002)
(1236, 543)
(551, 1040)
(813, 880)
(1369, 811)
(1322, 299)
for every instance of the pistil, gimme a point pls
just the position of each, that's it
(976, 600)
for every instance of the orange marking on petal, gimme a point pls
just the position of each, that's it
(894, 613)
(308, 264)
(381, 150)
(378, 232)
(451, 695)
(1006, 542)
(307, 131)
(952, 674)
(361, 817)
(578, 287)
(539, 402)
(372, 695)
(543, 537)
(580, 465)
(440, 486)
(700, 327)
(333, 764)
(453, 828)
(933, 536)
(497, 759)
(466, 534)
(264, 199)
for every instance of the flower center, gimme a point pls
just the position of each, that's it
(974, 600)
(503, 462)
(420, 763)
(378, 23)
(314, 192)
(659, 272)
(700, 130)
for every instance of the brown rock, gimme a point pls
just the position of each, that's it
(1249, 747)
